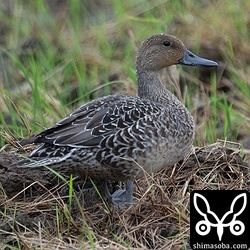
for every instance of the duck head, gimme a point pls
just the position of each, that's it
(160, 51)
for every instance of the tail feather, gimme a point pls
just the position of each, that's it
(38, 162)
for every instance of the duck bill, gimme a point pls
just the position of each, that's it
(192, 60)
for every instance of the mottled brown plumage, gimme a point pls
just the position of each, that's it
(118, 137)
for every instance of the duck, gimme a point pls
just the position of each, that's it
(120, 137)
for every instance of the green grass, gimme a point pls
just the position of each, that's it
(71, 57)
(52, 63)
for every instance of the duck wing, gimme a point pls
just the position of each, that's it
(91, 123)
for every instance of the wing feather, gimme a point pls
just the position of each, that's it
(91, 123)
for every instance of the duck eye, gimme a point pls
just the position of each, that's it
(166, 43)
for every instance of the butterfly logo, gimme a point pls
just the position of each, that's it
(210, 219)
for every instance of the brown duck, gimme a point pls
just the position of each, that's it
(118, 137)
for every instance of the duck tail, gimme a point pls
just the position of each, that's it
(36, 162)
(38, 159)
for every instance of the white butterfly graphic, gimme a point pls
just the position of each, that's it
(236, 227)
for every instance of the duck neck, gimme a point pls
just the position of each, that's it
(150, 87)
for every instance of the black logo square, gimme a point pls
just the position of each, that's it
(220, 219)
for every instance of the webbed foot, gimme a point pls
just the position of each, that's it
(120, 198)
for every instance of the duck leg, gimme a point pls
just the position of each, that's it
(120, 198)
(129, 190)
(106, 192)
(123, 198)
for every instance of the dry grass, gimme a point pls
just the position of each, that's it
(41, 214)
(59, 55)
